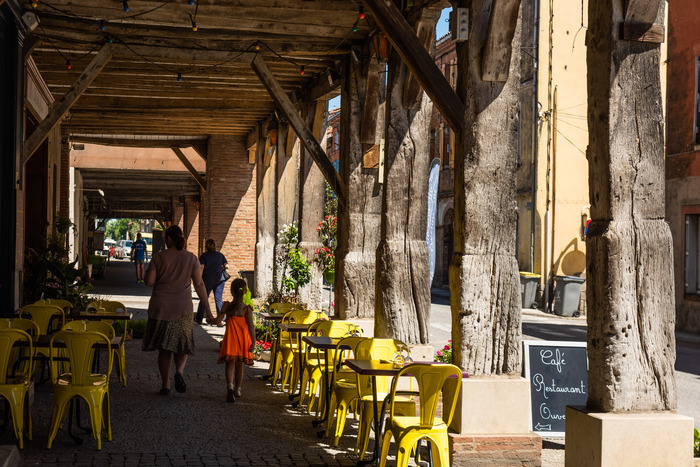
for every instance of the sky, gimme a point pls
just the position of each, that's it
(440, 30)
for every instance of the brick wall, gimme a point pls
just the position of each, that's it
(496, 450)
(227, 212)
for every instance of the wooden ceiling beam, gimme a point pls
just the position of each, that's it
(61, 107)
(188, 165)
(303, 132)
(418, 60)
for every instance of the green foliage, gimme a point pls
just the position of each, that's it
(117, 228)
(328, 231)
(330, 208)
(48, 274)
(696, 444)
(299, 271)
(137, 327)
(444, 355)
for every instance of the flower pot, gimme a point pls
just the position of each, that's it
(263, 356)
(329, 276)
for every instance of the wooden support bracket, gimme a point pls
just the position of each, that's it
(418, 60)
(495, 60)
(641, 11)
(642, 32)
(370, 105)
(63, 105)
(303, 132)
(425, 31)
(181, 155)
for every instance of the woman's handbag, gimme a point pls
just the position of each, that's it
(225, 273)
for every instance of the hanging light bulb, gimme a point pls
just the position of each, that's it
(354, 27)
(67, 64)
(126, 5)
(179, 76)
(190, 2)
(361, 12)
(194, 25)
(301, 70)
(257, 46)
(35, 3)
(103, 26)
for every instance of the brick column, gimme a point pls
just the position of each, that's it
(228, 209)
(64, 177)
(190, 223)
(178, 208)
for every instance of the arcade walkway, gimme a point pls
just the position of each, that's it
(197, 428)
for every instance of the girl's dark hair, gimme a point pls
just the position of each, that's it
(238, 289)
(210, 245)
(175, 234)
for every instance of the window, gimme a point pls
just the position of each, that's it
(696, 126)
(336, 140)
(692, 234)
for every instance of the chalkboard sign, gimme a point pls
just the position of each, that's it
(558, 375)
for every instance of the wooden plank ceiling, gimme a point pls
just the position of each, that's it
(138, 92)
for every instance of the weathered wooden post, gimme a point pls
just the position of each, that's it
(359, 223)
(631, 312)
(484, 280)
(266, 233)
(287, 177)
(312, 191)
(402, 303)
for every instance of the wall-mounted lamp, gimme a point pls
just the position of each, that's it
(381, 46)
(272, 131)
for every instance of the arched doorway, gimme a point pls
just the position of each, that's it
(448, 244)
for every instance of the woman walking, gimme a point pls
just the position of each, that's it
(213, 266)
(169, 328)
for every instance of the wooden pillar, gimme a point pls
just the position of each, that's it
(266, 228)
(483, 273)
(359, 222)
(64, 186)
(312, 190)
(402, 303)
(630, 293)
(287, 178)
(190, 224)
(631, 317)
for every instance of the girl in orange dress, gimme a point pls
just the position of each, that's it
(238, 343)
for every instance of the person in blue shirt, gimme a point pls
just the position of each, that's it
(139, 256)
(213, 265)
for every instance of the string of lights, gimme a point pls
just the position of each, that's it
(109, 38)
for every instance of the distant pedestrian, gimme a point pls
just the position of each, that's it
(172, 273)
(214, 265)
(139, 255)
(239, 340)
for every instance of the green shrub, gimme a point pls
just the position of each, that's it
(696, 444)
(137, 327)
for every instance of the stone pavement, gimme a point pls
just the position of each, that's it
(197, 427)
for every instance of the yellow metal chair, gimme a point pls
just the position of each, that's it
(288, 346)
(313, 373)
(111, 306)
(343, 386)
(103, 327)
(82, 382)
(377, 349)
(59, 302)
(14, 386)
(25, 365)
(49, 318)
(432, 379)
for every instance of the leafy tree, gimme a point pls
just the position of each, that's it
(117, 228)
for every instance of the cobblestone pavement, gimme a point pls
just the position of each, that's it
(197, 428)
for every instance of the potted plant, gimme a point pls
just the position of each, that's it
(262, 350)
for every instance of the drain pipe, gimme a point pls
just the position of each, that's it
(535, 129)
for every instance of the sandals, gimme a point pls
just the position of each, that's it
(237, 392)
(180, 385)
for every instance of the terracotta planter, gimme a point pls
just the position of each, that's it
(263, 356)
